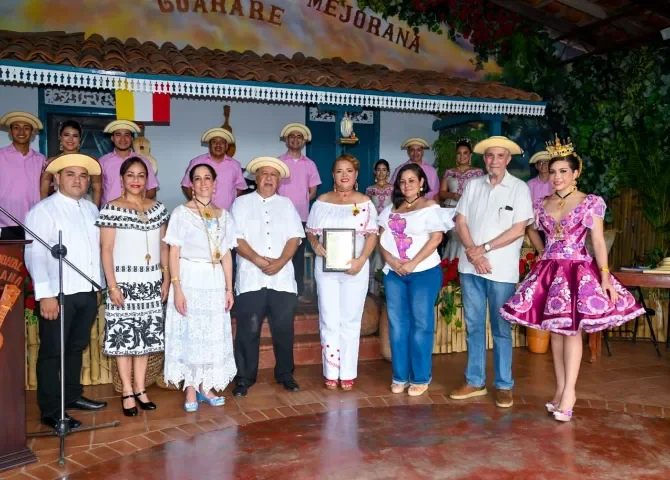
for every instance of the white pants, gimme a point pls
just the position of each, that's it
(341, 302)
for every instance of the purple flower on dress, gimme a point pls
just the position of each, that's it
(555, 290)
(597, 303)
(397, 224)
(588, 289)
(556, 304)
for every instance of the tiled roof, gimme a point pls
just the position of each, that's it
(132, 56)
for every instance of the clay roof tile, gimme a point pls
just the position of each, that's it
(134, 56)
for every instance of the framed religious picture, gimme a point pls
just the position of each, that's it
(340, 246)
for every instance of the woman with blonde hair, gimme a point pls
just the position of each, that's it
(342, 294)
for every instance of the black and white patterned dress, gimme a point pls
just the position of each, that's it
(137, 328)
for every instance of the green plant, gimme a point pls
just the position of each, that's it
(448, 305)
(379, 276)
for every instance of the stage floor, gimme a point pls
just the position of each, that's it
(621, 428)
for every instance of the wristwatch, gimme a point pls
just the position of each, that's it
(487, 247)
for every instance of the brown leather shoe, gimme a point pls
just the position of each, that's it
(504, 398)
(467, 391)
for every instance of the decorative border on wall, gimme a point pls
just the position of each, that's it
(365, 117)
(72, 97)
(260, 92)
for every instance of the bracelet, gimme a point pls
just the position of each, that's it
(110, 290)
(174, 279)
(604, 269)
(165, 269)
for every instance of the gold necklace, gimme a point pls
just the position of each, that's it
(216, 253)
(207, 211)
(561, 202)
(411, 204)
(143, 217)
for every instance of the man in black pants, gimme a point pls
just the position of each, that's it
(68, 211)
(268, 231)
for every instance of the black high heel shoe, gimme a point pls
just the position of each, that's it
(128, 412)
(144, 405)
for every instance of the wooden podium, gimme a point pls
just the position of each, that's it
(13, 450)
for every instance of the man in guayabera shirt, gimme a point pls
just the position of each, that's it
(107, 187)
(20, 170)
(300, 187)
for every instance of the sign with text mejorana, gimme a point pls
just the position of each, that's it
(317, 28)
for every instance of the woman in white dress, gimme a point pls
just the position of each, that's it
(131, 229)
(342, 294)
(380, 194)
(451, 189)
(198, 334)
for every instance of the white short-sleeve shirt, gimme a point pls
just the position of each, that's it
(489, 211)
(266, 224)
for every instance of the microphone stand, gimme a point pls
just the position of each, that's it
(59, 252)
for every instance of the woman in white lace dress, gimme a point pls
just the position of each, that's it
(342, 294)
(198, 334)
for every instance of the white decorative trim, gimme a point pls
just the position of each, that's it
(73, 97)
(366, 117)
(110, 80)
(315, 115)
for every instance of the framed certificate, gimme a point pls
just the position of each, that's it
(340, 245)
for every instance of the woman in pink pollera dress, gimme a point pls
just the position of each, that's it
(567, 291)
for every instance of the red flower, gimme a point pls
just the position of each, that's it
(530, 257)
(30, 303)
(444, 263)
(522, 266)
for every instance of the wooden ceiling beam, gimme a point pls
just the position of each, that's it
(658, 7)
(596, 11)
(558, 24)
(625, 11)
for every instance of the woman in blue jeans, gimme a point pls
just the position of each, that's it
(411, 229)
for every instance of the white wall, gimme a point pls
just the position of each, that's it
(18, 98)
(396, 127)
(256, 128)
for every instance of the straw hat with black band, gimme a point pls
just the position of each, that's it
(541, 156)
(74, 160)
(29, 118)
(260, 162)
(122, 125)
(296, 127)
(498, 141)
(418, 141)
(218, 132)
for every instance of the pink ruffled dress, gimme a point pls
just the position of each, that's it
(562, 292)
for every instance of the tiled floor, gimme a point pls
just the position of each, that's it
(634, 381)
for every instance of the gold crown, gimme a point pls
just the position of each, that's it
(557, 149)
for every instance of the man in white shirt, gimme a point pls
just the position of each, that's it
(69, 212)
(492, 216)
(269, 231)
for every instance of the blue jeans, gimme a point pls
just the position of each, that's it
(410, 302)
(475, 291)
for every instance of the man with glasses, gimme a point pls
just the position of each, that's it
(540, 186)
